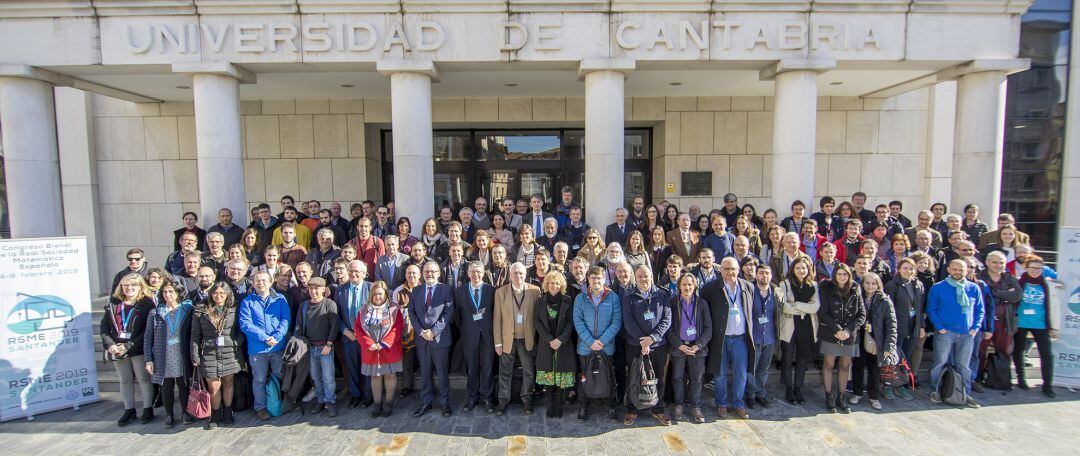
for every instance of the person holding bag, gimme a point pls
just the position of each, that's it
(216, 341)
(646, 316)
(688, 339)
(123, 328)
(379, 325)
(597, 319)
(878, 345)
(167, 344)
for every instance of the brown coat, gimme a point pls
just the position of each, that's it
(503, 325)
(674, 239)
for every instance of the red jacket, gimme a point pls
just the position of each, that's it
(391, 342)
(841, 250)
(820, 242)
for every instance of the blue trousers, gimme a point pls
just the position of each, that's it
(755, 384)
(264, 364)
(322, 375)
(973, 365)
(359, 385)
(734, 358)
(952, 349)
(434, 366)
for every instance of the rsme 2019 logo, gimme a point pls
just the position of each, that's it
(1074, 301)
(34, 313)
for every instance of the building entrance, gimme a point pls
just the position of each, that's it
(496, 163)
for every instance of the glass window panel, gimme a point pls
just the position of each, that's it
(574, 144)
(519, 145)
(498, 184)
(542, 183)
(633, 185)
(450, 189)
(1050, 5)
(636, 144)
(453, 146)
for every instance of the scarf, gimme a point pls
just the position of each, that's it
(961, 297)
(802, 292)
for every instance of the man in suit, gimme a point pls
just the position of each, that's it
(350, 298)
(474, 304)
(431, 314)
(731, 303)
(536, 216)
(550, 235)
(388, 268)
(684, 242)
(515, 336)
(620, 230)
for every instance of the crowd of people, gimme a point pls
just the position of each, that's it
(704, 297)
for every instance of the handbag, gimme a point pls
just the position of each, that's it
(868, 343)
(641, 388)
(198, 404)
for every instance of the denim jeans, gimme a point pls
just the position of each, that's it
(973, 365)
(734, 358)
(755, 385)
(262, 365)
(322, 375)
(953, 349)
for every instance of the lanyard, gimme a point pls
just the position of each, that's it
(124, 317)
(476, 298)
(357, 291)
(518, 302)
(174, 323)
(220, 319)
(734, 301)
(691, 316)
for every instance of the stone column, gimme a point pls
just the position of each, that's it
(31, 161)
(940, 139)
(794, 130)
(215, 86)
(604, 135)
(410, 114)
(1068, 206)
(980, 128)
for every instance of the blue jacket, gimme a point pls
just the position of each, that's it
(988, 306)
(606, 320)
(945, 312)
(262, 319)
(656, 302)
(720, 245)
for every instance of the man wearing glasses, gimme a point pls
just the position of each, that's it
(383, 225)
(136, 264)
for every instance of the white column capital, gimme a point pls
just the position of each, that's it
(819, 65)
(1007, 66)
(425, 67)
(221, 68)
(16, 70)
(624, 66)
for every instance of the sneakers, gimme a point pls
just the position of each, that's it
(309, 396)
(1048, 391)
(613, 416)
(742, 413)
(315, 408)
(888, 393)
(721, 412)
(854, 399)
(904, 393)
(875, 404)
(331, 410)
(262, 414)
(977, 387)
(971, 402)
(935, 397)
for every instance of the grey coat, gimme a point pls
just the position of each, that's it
(215, 361)
(155, 340)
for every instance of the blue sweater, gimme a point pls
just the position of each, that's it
(945, 313)
(261, 319)
(605, 319)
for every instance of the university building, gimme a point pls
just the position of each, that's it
(117, 116)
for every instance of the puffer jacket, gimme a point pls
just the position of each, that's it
(838, 312)
(156, 343)
(216, 361)
(881, 317)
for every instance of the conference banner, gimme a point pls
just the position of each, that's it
(1067, 348)
(46, 331)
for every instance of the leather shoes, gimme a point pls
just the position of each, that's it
(500, 410)
(446, 412)
(469, 406)
(662, 418)
(490, 406)
(528, 408)
(354, 402)
(365, 403)
(762, 401)
(629, 419)
(721, 412)
(419, 412)
(742, 413)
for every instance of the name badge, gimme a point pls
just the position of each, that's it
(869, 328)
(1029, 311)
(519, 319)
(220, 341)
(733, 311)
(576, 247)
(477, 316)
(173, 340)
(691, 331)
(911, 312)
(649, 315)
(124, 335)
(762, 320)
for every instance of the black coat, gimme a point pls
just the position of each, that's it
(903, 303)
(136, 326)
(612, 233)
(474, 333)
(564, 359)
(837, 312)
(713, 294)
(882, 319)
(703, 319)
(155, 341)
(214, 361)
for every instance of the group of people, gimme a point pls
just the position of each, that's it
(704, 297)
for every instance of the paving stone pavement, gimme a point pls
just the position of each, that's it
(1017, 423)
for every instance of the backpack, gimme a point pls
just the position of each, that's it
(998, 373)
(641, 386)
(898, 374)
(597, 376)
(273, 397)
(952, 389)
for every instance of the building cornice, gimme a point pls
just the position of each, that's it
(46, 8)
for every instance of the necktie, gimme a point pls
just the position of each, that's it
(427, 302)
(476, 298)
(390, 266)
(538, 224)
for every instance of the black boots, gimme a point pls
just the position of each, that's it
(126, 418)
(842, 404)
(147, 415)
(212, 421)
(227, 416)
(554, 402)
(830, 403)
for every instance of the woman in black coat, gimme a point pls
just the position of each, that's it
(841, 314)
(123, 327)
(556, 362)
(688, 346)
(909, 301)
(881, 327)
(216, 348)
(167, 344)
